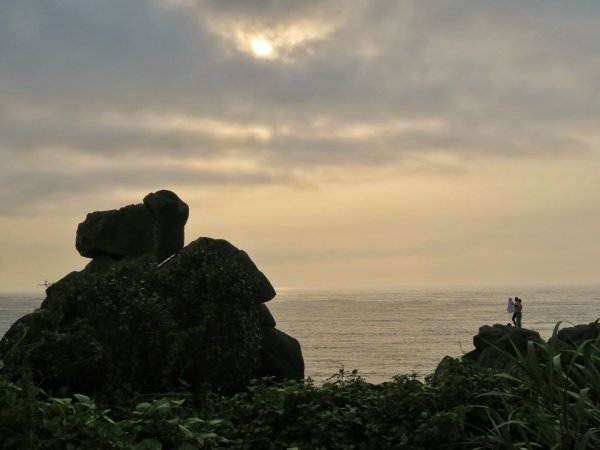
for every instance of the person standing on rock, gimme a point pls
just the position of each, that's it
(518, 315)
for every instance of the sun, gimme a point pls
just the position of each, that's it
(261, 47)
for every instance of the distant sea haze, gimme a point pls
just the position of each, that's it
(387, 332)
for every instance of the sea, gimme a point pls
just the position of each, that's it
(382, 333)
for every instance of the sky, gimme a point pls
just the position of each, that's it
(343, 143)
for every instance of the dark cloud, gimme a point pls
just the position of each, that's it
(270, 10)
(506, 80)
(33, 186)
(83, 53)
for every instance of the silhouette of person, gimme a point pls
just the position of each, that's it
(518, 315)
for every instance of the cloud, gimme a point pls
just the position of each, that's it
(30, 188)
(353, 86)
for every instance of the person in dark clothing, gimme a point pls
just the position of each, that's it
(518, 315)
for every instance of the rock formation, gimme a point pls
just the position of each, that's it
(170, 215)
(573, 337)
(148, 314)
(281, 356)
(494, 345)
(155, 226)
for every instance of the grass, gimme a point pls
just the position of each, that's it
(553, 403)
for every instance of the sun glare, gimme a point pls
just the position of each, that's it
(261, 47)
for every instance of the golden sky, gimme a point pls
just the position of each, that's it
(343, 144)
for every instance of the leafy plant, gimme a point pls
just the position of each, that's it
(138, 328)
(554, 403)
(346, 412)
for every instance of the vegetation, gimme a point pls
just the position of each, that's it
(553, 403)
(136, 328)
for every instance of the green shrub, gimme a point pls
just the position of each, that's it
(137, 328)
(346, 412)
(554, 403)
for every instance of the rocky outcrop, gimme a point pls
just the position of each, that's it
(264, 289)
(494, 346)
(126, 232)
(155, 226)
(170, 215)
(132, 320)
(573, 337)
(280, 355)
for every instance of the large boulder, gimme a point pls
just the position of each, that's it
(170, 214)
(264, 289)
(136, 327)
(126, 232)
(193, 322)
(155, 226)
(135, 321)
(573, 337)
(265, 318)
(280, 355)
(495, 346)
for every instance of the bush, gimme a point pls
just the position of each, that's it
(344, 413)
(461, 407)
(554, 403)
(138, 328)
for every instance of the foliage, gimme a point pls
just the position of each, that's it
(33, 420)
(139, 328)
(346, 412)
(555, 403)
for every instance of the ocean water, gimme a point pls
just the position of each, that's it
(388, 332)
(13, 306)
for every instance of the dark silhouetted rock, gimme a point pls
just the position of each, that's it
(127, 323)
(126, 232)
(495, 344)
(170, 216)
(573, 337)
(264, 289)
(100, 264)
(139, 328)
(281, 355)
(153, 227)
(265, 318)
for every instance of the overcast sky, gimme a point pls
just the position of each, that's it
(343, 144)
